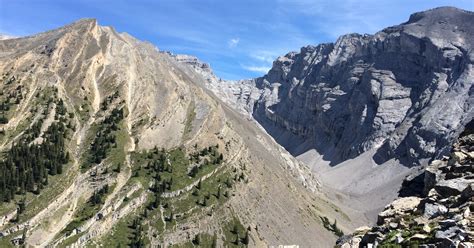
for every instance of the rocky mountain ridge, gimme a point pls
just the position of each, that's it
(390, 89)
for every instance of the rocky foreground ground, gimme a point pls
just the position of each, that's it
(440, 217)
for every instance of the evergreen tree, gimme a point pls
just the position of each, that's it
(21, 206)
(235, 229)
(198, 186)
(214, 241)
(246, 238)
(237, 239)
(197, 239)
(218, 194)
(194, 171)
(25, 167)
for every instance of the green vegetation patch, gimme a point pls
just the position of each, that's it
(190, 116)
(26, 166)
(235, 234)
(88, 210)
(331, 227)
(199, 240)
(105, 138)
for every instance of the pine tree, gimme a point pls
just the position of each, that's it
(23, 237)
(197, 239)
(235, 229)
(214, 241)
(198, 186)
(246, 239)
(21, 206)
(237, 239)
(194, 171)
(218, 194)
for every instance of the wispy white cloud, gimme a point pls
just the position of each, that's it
(259, 69)
(6, 36)
(233, 42)
(262, 56)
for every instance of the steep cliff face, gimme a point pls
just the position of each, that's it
(240, 95)
(364, 111)
(404, 91)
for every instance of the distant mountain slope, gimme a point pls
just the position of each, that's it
(363, 111)
(134, 150)
(404, 91)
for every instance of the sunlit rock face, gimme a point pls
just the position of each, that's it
(405, 91)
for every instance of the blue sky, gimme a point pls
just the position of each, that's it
(240, 39)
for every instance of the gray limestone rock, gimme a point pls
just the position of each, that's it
(453, 186)
(434, 210)
(405, 91)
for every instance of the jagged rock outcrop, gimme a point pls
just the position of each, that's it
(241, 94)
(405, 91)
(441, 217)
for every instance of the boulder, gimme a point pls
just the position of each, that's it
(459, 157)
(363, 229)
(426, 228)
(468, 192)
(432, 175)
(452, 187)
(448, 243)
(400, 205)
(348, 241)
(465, 245)
(370, 238)
(405, 204)
(466, 213)
(461, 168)
(428, 246)
(398, 238)
(471, 155)
(448, 233)
(433, 210)
(447, 223)
(418, 236)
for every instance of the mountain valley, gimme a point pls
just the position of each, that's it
(109, 141)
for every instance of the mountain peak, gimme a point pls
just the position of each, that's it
(82, 23)
(446, 12)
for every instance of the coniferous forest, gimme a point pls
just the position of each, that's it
(26, 166)
(105, 137)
